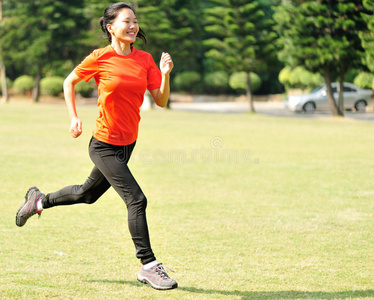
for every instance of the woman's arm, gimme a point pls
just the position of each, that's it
(69, 93)
(161, 95)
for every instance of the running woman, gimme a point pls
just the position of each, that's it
(122, 74)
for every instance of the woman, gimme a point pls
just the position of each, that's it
(122, 74)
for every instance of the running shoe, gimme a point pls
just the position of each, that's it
(157, 278)
(28, 209)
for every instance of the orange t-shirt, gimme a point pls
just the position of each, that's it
(121, 82)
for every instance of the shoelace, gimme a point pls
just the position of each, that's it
(161, 271)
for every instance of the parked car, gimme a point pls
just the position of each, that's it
(354, 98)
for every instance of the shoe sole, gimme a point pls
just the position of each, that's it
(144, 280)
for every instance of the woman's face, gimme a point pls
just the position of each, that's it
(125, 27)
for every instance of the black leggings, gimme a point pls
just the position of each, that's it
(111, 170)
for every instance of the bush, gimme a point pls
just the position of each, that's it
(8, 85)
(350, 75)
(85, 89)
(216, 82)
(299, 78)
(238, 81)
(303, 79)
(284, 77)
(52, 86)
(23, 84)
(188, 82)
(364, 80)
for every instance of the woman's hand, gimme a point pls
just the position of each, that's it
(161, 94)
(166, 63)
(69, 84)
(75, 127)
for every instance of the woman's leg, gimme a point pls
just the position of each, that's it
(112, 163)
(95, 186)
(89, 192)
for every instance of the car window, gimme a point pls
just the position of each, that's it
(316, 90)
(348, 89)
(334, 89)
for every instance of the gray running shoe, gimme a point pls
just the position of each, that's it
(28, 209)
(157, 278)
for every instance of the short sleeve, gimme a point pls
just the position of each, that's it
(153, 76)
(87, 68)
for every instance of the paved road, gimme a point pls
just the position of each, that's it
(267, 108)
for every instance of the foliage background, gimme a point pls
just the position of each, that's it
(45, 38)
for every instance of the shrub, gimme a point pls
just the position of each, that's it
(23, 84)
(351, 74)
(52, 86)
(299, 78)
(8, 85)
(238, 81)
(188, 81)
(364, 80)
(216, 82)
(284, 77)
(85, 89)
(303, 79)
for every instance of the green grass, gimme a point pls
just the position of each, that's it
(241, 207)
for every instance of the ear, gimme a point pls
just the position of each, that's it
(109, 28)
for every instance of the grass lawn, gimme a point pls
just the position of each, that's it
(240, 206)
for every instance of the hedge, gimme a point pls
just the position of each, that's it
(238, 81)
(52, 86)
(23, 84)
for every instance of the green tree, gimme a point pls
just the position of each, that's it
(153, 19)
(4, 89)
(37, 33)
(171, 27)
(93, 11)
(367, 36)
(322, 36)
(241, 37)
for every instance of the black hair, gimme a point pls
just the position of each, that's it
(111, 13)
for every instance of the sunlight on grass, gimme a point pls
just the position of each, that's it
(240, 206)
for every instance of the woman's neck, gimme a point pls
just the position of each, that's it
(121, 48)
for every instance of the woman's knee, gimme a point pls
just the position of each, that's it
(87, 197)
(138, 203)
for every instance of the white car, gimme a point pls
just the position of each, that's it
(354, 98)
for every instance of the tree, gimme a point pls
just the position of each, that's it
(177, 31)
(36, 33)
(241, 37)
(367, 36)
(322, 36)
(93, 11)
(4, 89)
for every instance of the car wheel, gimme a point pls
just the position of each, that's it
(360, 106)
(309, 107)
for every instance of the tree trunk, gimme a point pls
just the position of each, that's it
(249, 93)
(341, 91)
(36, 89)
(330, 96)
(4, 89)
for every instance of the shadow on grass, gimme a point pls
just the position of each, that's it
(263, 294)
